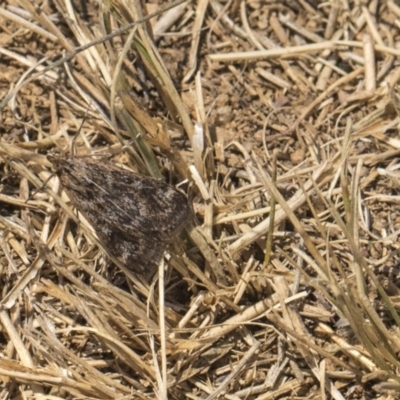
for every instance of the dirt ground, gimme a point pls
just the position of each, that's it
(279, 121)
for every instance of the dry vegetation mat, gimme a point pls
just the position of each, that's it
(279, 121)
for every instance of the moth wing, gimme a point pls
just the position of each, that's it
(153, 207)
(141, 255)
(123, 199)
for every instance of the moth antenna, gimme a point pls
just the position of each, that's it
(79, 130)
(37, 190)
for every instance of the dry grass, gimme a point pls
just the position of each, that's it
(286, 285)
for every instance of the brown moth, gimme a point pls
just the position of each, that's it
(134, 216)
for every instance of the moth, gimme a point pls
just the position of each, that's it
(134, 216)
